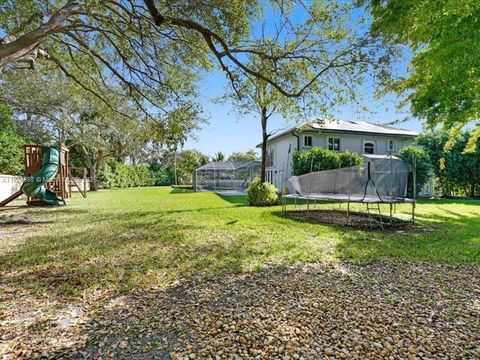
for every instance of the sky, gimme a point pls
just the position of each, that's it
(228, 132)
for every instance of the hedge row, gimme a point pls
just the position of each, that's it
(121, 176)
(319, 159)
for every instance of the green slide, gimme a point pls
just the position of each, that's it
(34, 185)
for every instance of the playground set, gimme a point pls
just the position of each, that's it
(48, 178)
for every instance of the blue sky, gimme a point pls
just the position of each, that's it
(228, 132)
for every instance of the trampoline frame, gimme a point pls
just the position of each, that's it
(365, 199)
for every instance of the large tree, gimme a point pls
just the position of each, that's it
(443, 79)
(52, 109)
(149, 47)
(340, 54)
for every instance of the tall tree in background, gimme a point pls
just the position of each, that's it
(443, 81)
(249, 155)
(11, 144)
(339, 54)
(51, 109)
(219, 156)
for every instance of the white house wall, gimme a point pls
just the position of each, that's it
(282, 168)
(354, 142)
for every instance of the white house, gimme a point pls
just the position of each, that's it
(337, 135)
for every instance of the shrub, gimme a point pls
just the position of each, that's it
(261, 194)
(349, 158)
(423, 166)
(161, 175)
(319, 159)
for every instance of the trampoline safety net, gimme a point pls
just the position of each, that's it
(378, 179)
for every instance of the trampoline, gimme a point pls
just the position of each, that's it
(381, 179)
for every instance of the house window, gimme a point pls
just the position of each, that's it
(270, 157)
(369, 147)
(269, 176)
(308, 141)
(334, 143)
(391, 145)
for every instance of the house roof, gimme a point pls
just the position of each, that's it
(360, 127)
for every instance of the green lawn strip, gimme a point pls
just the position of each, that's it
(140, 237)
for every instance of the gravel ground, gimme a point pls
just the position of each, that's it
(393, 310)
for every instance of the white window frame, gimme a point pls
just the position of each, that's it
(333, 144)
(365, 142)
(392, 141)
(305, 139)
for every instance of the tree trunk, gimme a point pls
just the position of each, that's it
(93, 176)
(95, 164)
(263, 170)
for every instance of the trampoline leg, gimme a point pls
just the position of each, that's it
(348, 212)
(369, 217)
(380, 214)
(391, 206)
(413, 213)
(308, 206)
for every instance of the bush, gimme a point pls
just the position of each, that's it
(161, 175)
(261, 194)
(423, 166)
(319, 159)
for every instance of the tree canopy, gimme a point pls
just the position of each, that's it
(11, 144)
(442, 84)
(249, 155)
(151, 51)
(331, 32)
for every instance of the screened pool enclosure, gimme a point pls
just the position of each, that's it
(226, 175)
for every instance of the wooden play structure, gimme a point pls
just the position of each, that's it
(62, 182)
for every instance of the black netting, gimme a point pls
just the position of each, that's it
(379, 179)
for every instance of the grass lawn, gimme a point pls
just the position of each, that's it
(141, 237)
(156, 273)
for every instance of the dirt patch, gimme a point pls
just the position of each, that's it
(357, 220)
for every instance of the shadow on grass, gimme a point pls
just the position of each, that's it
(234, 199)
(181, 190)
(356, 220)
(122, 251)
(445, 201)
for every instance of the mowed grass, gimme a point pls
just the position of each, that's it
(142, 237)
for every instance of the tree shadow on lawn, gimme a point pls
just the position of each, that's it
(445, 201)
(234, 199)
(444, 235)
(181, 190)
(129, 251)
(119, 252)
